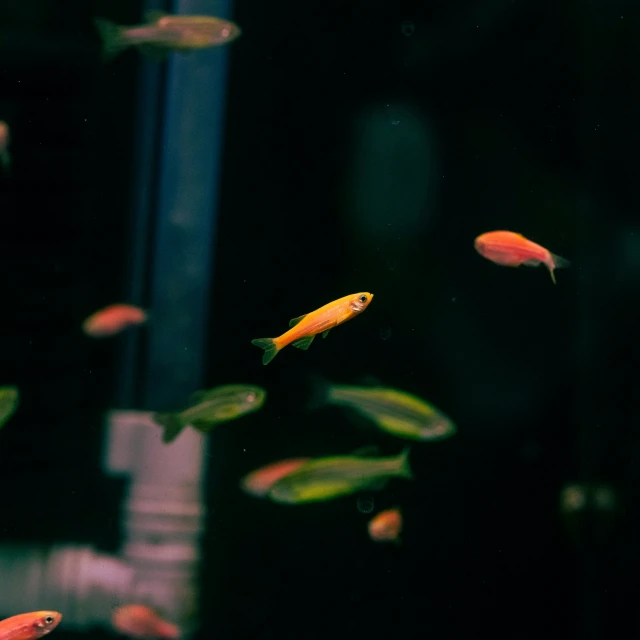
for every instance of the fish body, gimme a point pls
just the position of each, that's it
(511, 249)
(386, 526)
(305, 327)
(5, 137)
(29, 626)
(326, 478)
(112, 320)
(258, 482)
(140, 621)
(396, 412)
(206, 409)
(164, 33)
(9, 398)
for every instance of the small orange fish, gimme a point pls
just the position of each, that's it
(113, 319)
(386, 526)
(140, 621)
(164, 33)
(29, 626)
(259, 482)
(512, 249)
(322, 320)
(5, 137)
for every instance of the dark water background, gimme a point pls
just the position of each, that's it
(520, 115)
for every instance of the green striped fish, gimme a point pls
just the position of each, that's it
(397, 412)
(9, 398)
(206, 409)
(326, 478)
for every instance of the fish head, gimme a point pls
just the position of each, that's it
(439, 426)
(230, 31)
(236, 400)
(360, 301)
(4, 134)
(480, 242)
(252, 398)
(46, 622)
(259, 482)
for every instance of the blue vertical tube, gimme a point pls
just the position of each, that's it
(185, 239)
(149, 114)
(183, 220)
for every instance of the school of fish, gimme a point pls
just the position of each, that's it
(290, 481)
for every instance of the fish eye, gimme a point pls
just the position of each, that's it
(251, 396)
(49, 620)
(363, 298)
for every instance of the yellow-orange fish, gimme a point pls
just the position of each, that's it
(513, 249)
(259, 482)
(304, 328)
(113, 319)
(386, 526)
(140, 621)
(29, 626)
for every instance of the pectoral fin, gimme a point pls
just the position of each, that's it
(171, 425)
(154, 52)
(378, 484)
(325, 333)
(369, 381)
(303, 343)
(197, 397)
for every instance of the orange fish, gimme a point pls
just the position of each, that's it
(140, 621)
(113, 319)
(386, 526)
(322, 320)
(5, 156)
(259, 482)
(512, 249)
(29, 626)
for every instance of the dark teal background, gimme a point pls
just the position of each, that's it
(532, 108)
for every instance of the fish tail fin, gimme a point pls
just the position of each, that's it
(556, 262)
(269, 346)
(404, 470)
(171, 425)
(319, 392)
(112, 39)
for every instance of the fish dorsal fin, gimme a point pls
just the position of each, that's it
(303, 343)
(294, 321)
(197, 396)
(369, 381)
(154, 15)
(366, 451)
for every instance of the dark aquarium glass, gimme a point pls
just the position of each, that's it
(441, 441)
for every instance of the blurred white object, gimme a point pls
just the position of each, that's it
(164, 511)
(163, 519)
